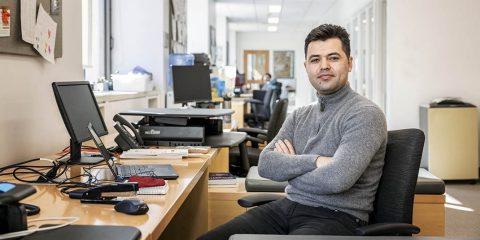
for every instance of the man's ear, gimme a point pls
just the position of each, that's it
(350, 64)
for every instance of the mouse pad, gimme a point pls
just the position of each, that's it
(77, 232)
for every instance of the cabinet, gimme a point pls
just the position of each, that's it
(451, 146)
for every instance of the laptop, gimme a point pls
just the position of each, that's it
(122, 172)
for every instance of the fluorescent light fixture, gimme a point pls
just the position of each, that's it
(274, 8)
(273, 20)
(272, 28)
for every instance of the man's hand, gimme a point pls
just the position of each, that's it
(284, 146)
(322, 161)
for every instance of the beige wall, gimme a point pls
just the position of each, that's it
(432, 52)
(30, 124)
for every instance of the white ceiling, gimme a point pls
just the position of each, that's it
(252, 15)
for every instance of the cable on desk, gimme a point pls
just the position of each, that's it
(50, 174)
(31, 209)
(18, 164)
(32, 227)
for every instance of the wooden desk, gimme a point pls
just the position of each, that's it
(240, 106)
(180, 214)
(238, 115)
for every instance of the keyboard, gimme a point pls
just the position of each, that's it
(164, 171)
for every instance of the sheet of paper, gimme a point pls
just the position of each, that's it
(45, 33)
(28, 16)
(5, 22)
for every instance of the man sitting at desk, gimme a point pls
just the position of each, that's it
(330, 152)
(272, 84)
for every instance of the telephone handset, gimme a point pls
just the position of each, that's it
(124, 139)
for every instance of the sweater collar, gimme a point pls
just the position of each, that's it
(336, 96)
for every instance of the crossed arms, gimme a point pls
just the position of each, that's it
(363, 134)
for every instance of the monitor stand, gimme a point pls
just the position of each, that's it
(76, 157)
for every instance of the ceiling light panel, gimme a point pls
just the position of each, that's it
(273, 20)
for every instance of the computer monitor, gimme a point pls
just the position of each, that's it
(78, 108)
(191, 83)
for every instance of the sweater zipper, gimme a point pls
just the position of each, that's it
(322, 104)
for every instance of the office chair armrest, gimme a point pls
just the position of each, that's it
(263, 137)
(255, 140)
(382, 229)
(258, 199)
(253, 131)
(254, 101)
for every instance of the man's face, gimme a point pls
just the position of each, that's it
(327, 65)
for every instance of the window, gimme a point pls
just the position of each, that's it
(367, 33)
(94, 57)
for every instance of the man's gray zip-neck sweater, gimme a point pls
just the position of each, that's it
(345, 126)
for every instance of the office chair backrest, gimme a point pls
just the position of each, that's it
(278, 90)
(266, 103)
(258, 94)
(279, 114)
(394, 198)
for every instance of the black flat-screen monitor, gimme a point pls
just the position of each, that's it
(78, 108)
(191, 84)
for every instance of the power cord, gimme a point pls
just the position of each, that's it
(31, 209)
(35, 228)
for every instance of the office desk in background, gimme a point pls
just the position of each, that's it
(240, 106)
(180, 214)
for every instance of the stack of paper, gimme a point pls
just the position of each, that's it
(155, 153)
(196, 149)
(159, 190)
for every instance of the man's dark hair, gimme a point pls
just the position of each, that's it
(269, 75)
(327, 31)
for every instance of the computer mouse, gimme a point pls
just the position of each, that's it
(132, 207)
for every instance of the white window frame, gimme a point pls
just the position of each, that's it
(93, 39)
(367, 29)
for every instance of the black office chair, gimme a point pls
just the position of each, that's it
(257, 136)
(393, 206)
(277, 91)
(260, 105)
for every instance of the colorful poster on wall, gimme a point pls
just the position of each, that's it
(283, 62)
(45, 33)
(5, 23)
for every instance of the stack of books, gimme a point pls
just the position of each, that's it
(218, 179)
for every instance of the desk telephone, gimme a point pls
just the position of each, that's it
(125, 140)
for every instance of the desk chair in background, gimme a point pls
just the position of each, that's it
(393, 206)
(257, 136)
(260, 105)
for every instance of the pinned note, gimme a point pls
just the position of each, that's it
(45, 34)
(27, 19)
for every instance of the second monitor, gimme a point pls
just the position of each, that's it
(191, 84)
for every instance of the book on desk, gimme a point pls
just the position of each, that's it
(221, 178)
